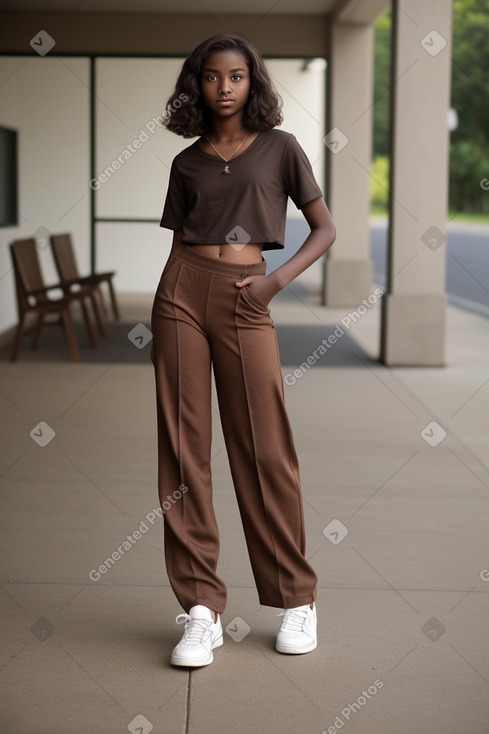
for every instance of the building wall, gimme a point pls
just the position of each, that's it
(138, 188)
(47, 100)
(169, 31)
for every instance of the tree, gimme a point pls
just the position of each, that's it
(382, 28)
(469, 143)
(469, 150)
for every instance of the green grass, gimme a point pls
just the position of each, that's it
(379, 211)
(468, 217)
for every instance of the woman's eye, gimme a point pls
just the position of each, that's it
(213, 77)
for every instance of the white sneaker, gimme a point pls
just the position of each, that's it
(297, 633)
(200, 637)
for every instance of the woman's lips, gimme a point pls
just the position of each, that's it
(225, 102)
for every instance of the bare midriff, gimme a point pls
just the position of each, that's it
(242, 254)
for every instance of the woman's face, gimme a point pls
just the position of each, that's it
(225, 83)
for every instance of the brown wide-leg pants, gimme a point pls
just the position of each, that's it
(200, 317)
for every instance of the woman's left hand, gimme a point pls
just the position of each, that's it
(265, 287)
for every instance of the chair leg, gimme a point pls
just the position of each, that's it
(37, 332)
(114, 300)
(97, 305)
(18, 338)
(71, 334)
(88, 323)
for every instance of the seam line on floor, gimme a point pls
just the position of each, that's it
(186, 728)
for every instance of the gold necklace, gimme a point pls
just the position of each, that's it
(226, 167)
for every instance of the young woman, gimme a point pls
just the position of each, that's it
(226, 203)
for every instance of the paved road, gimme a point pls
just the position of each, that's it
(467, 267)
(467, 262)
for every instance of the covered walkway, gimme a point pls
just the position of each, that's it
(396, 514)
(393, 459)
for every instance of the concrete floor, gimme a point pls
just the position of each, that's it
(397, 524)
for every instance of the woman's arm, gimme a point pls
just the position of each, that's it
(320, 239)
(177, 241)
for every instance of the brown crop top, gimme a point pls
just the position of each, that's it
(208, 205)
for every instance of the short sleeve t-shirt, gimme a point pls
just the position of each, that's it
(249, 204)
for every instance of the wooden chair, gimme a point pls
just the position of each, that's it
(32, 297)
(64, 257)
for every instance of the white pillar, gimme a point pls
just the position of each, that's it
(413, 314)
(348, 266)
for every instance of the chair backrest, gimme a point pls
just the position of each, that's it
(27, 262)
(27, 271)
(64, 257)
(22, 302)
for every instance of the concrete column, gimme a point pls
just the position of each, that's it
(413, 309)
(348, 267)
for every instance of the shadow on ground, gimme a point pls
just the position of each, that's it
(297, 343)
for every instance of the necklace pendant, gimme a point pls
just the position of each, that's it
(226, 169)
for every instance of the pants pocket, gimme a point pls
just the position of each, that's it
(170, 265)
(253, 299)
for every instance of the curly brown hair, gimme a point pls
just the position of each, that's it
(262, 111)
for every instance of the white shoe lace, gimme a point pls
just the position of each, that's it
(293, 620)
(194, 628)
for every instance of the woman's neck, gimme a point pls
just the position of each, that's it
(227, 130)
